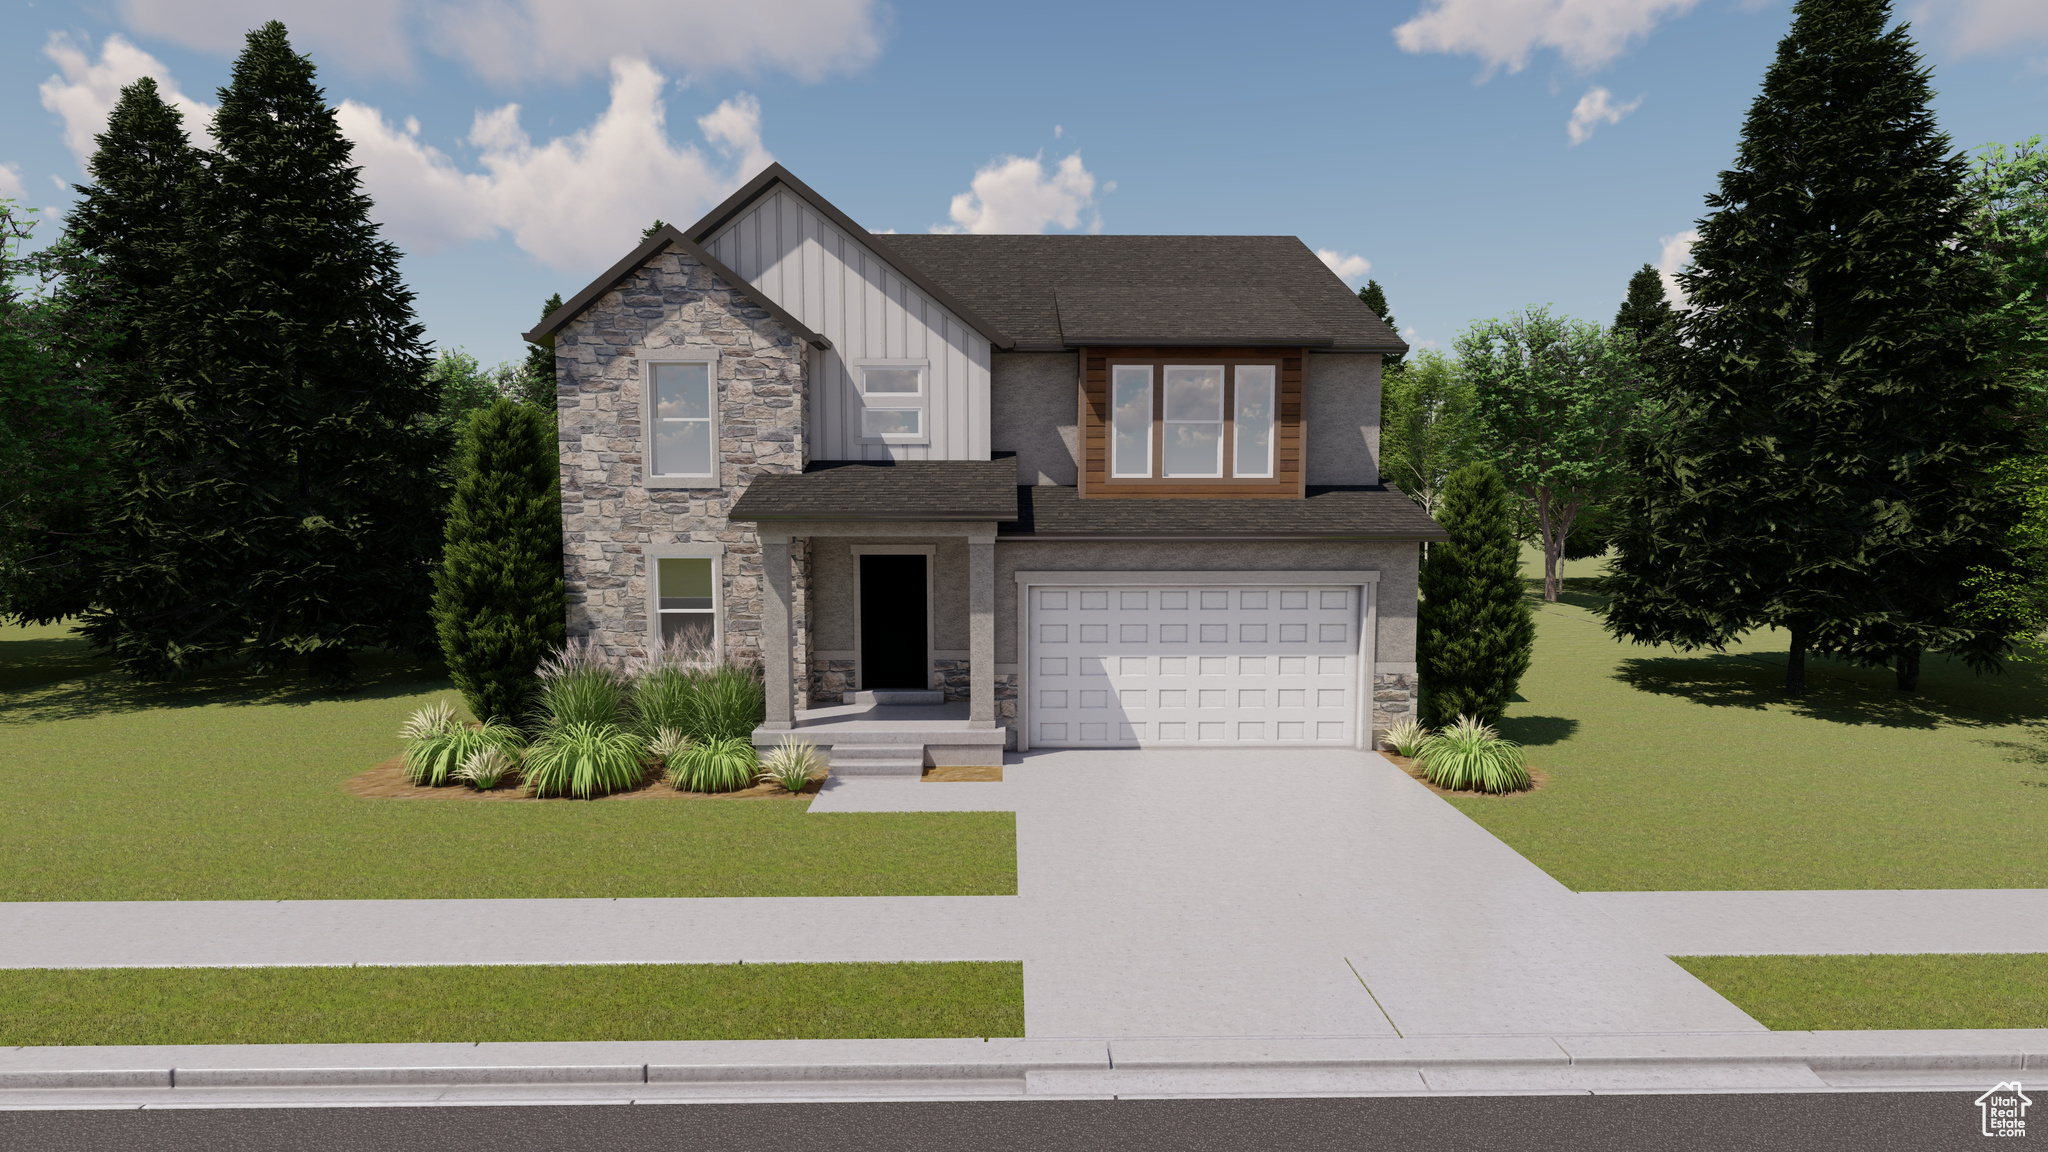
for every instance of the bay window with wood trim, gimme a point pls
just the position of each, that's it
(1182, 422)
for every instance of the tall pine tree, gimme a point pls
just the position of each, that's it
(1646, 314)
(291, 503)
(1375, 298)
(1832, 426)
(1474, 632)
(498, 605)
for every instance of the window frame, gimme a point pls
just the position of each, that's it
(1151, 430)
(711, 358)
(1235, 448)
(919, 402)
(1223, 424)
(1159, 362)
(714, 552)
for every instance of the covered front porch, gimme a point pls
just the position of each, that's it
(878, 611)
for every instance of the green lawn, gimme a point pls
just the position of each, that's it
(229, 787)
(1801, 993)
(1685, 772)
(476, 1004)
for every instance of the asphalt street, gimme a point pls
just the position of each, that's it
(1911, 1122)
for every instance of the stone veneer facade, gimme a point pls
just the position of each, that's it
(610, 519)
(1393, 700)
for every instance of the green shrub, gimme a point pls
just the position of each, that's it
(438, 744)
(1405, 736)
(1469, 756)
(578, 685)
(487, 768)
(498, 602)
(1474, 633)
(718, 764)
(791, 764)
(584, 760)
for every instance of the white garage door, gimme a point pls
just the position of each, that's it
(1197, 665)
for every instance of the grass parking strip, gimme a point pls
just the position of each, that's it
(1926, 990)
(486, 1003)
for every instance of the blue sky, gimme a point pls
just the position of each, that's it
(1482, 155)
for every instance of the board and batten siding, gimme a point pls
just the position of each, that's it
(846, 292)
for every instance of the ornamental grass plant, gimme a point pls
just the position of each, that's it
(1406, 736)
(579, 685)
(1469, 756)
(731, 701)
(438, 743)
(717, 764)
(791, 764)
(691, 691)
(585, 760)
(487, 768)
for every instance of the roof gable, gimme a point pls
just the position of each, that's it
(669, 236)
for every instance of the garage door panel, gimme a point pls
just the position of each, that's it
(1219, 666)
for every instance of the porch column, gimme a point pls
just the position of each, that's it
(981, 631)
(775, 646)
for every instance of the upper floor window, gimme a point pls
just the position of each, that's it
(1193, 421)
(681, 422)
(894, 401)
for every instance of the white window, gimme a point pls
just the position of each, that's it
(681, 447)
(1193, 426)
(893, 402)
(1253, 421)
(1131, 420)
(686, 602)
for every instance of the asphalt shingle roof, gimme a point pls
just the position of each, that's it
(1382, 513)
(1060, 291)
(885, 490)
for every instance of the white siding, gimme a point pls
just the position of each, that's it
(846, 292)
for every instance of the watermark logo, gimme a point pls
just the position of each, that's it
(2004, 1110)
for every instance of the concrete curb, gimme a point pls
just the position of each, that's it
(717, 1071)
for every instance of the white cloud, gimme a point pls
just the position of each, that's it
(1346, 266)
(517, 41)
(575, 202)
(1503, 33)
(1595, 108)
(1677, 254)
(1983, 27)
(10, 182)
(85, 95)
(1016, 194)
(1415, 345)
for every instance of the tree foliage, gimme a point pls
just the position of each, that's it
(1556, 398)
(1474, 631)
(1375, 298)
(288, 503)
(539, 377)
(1831, 464)
(498, 593)
(1427, 426)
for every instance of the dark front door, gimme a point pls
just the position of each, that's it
(892, 640)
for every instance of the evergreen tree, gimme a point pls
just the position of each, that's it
(290, 503)
(1375, 298)
(1474, 632)
(1646, 314)
(1828, 466)
(498, 595)
(651, 229)
(117, 260)
(540, 364)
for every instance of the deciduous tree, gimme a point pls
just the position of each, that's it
(1427, 428)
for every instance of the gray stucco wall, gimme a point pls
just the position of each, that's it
(1395, 562)
(610, 518)
(1341, 402)
(1034, 402)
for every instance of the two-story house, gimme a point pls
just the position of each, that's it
(1074, 491)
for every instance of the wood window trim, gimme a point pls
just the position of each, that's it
(1289, 474)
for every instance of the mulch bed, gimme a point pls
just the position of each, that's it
(1537, 779)
(971, 774)
(387, 781)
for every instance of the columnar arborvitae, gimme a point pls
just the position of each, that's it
(292, 505)
(1474, 631)
(1831, 428)
(498, 597)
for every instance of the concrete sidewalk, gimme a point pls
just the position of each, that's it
(849, 1070)
(1837, 922)
(1190, 894)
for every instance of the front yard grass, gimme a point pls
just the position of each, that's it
(1677, 772)
(1938, 990)
(482, 1004)
(230, 786)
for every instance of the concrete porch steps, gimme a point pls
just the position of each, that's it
(898, 759)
